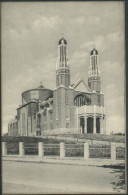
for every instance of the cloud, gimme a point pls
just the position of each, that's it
(80, 20)
(115, 71)
(97, 42)
(13, 33)
(91, 20)
(79, 55)
(115, 37)
(46, 22)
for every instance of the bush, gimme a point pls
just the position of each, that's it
(12, 148)
(74, 150)
(99, 151)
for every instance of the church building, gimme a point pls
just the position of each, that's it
(74, 109)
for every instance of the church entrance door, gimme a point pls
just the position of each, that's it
(97, 125)
(89, 125)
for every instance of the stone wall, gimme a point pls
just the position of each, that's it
(61, 131)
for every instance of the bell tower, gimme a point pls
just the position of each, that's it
(94, 78)
(62, 66)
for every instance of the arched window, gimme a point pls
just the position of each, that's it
(82, 99)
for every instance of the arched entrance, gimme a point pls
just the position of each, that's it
(82, 124)
(89, 125)
(97, 125)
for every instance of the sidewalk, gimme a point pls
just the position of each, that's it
(66, 160)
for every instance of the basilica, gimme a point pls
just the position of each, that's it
(68, 109)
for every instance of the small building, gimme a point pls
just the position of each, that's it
(75, 109)
(13, 127)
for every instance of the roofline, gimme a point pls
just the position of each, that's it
(77, 83)
(26, 104)
(80, 92)
(36, 89)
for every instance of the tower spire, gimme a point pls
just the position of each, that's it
(62, 66)
(94, 71)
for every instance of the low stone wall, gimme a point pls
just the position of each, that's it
(69, 150)
(61, 131)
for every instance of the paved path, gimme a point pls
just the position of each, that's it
(65, 160)
(28, 177)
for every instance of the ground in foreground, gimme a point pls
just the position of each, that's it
(54, 178)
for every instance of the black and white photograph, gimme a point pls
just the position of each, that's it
(63, 97)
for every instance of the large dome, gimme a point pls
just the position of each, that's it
(39, 93)
(94, 52)
(61, 41)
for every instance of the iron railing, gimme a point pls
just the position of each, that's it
(120, 153)
(100, 151)
(51, 149)
(31, 148)
(12, 148)
(74, 150)
(69, 150)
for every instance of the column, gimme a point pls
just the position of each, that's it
(101, 120)
(21, 148)
(48, 119)
(101, 125)
(78, 102)
(94, 120)
(85, 120)
(94, 124)
(56, 97)
(113, 151)
(77, 119)
(62, 150)
(4, 148)
(104, 124)
(86, 151)
(85, 124)
(40, 149)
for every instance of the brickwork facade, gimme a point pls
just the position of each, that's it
(77, 108)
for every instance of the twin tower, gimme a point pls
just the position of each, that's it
(74, 109)
(77, 108)
(63, 69)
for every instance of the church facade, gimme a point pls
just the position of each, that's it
(75, 109)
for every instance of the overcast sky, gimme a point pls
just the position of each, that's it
(30, 34)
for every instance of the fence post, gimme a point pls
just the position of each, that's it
(21, 148)
(40, 149)
(62, 150)
(86, 151)
(4, 148)
(113, 151)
